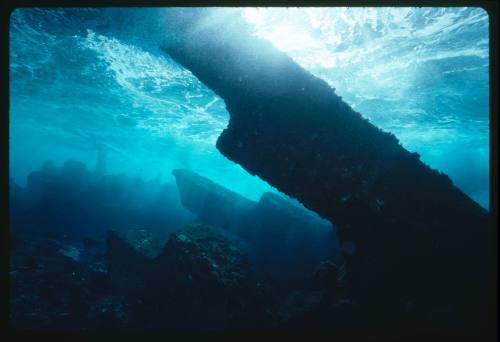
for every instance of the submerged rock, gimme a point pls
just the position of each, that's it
(206, 283)
(51, 291)
(197, 254)
(126, 264)
(71, 252)
(299, 304)
(199, 280)
(145, 241)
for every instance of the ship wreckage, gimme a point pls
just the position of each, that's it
(424, 249)
(415, 251)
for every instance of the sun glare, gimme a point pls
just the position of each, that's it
(287, 34)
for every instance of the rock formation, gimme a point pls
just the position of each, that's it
(50, 290)
(198, 281)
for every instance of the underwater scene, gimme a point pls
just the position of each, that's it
(178, 169)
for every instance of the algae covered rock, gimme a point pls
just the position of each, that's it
(146, 242)
(203, 253)
(122, 255)
(51, 290)
(206, 283)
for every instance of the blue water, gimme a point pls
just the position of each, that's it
(83, 79)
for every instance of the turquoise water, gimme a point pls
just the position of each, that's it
(84, 79)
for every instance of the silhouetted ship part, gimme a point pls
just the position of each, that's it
(424, 250)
